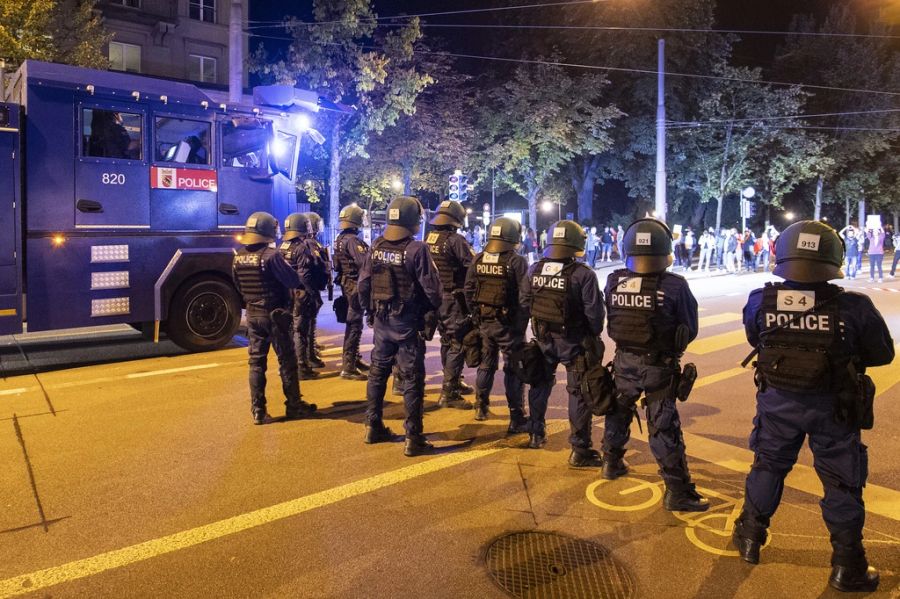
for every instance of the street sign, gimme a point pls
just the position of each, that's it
(748, 209)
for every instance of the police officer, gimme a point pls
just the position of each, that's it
(320, 253)
(299, 255)
(349, 253)
(566, 306)
(400, 284)
(814, 342)
(652, 318)
(493, 284)
(452, 255)
(264, 280)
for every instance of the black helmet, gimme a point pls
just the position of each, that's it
(404, 215)
(647, 246)
(315, 222)
(295, 225)
(504, 234)
(809, 251)
(351, 217)
(449, 213)
(565, 239)
(261, 227)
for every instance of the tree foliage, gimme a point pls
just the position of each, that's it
(65, 31)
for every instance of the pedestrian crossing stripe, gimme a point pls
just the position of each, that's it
(714, 343)
(717, 319)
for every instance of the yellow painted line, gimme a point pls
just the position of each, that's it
(713, 343)
(8, 312)
(82, 568)
(715, 319)
(140, 375)
(885, 377)
(720, 376)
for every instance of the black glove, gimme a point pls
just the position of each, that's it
(431, 324)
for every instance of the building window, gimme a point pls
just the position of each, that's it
(124, 57)
(201, 68)
(182, 140)
(110, 134)
(128, 3)
(203, 10)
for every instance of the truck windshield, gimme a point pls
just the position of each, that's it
(245, 142)
(182, 140)
(111, 134)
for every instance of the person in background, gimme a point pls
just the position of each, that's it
(731, 248)
(591, 253)
(876, 253)
(748, 245)
(606, 242)
(707, 244)
(720, 249)
(531, 245)
(896, 240)
(620, 239)
(477, 238)
(687, 249)
(543, 239)
(851, 245)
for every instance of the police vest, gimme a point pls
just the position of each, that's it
(345, 262)
(801, 347)
(258, 288)
(635, 319)
(314, 263)
(451, 271)
(493, 285)
(552, 303)
(392, 285)
(292, 251)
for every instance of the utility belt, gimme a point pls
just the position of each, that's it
(394, 307)
(488, 313)
(543, 328)
(653, 357)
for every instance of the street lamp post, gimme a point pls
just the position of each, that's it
(746, 194)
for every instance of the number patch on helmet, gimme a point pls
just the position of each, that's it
(496, 231)
(559, 233)
(642, 239)
(808, 241)
(394, 214)
(795, 301)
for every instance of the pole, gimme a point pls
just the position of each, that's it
(661, 134)
(743, 215)
(235, 52)
(493, 198)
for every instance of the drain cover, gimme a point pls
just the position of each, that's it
(537, 565)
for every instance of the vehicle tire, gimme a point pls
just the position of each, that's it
(204, 314)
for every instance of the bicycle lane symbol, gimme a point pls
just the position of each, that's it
(702, 529)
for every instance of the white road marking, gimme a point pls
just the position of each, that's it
(140, 375)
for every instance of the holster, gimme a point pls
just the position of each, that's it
(471, 344)
(528, 364)
(598, 387)
(282, 322)
(686, 381)
(430, 325)
(341, 307)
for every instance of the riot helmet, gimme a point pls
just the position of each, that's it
(404, 216)
(503, 235)
(450, 213)
(351, 217)
(295, 225)
(566, 239)
(261, 227)
(647, 246)
(809, 251)
(315, 223)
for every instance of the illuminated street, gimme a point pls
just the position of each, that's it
(144, 476)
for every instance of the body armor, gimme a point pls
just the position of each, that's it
(393, 288)
(346, 265)
(553, 307)
(260, 292)
(450, 270)
(635, 319)
(493, 287)
(805, 355)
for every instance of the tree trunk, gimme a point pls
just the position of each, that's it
(896, 220)
(584, 179)
(407, 178)
(532, 207)
(723, 176)
(862, 215)
(334, 181)
(817, 212)
(697, 219)
(846, 212)
(719, 214)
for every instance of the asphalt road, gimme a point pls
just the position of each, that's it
(133, 470)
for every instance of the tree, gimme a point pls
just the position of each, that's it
(732, 124)
(342, 54)
(66, 31)
(539, 120)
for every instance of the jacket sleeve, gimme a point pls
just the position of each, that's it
(364, 285)
(426, 274)
(283, 272)
(687, 312)
(525, 293)
(876, 347)
(592, 298)
(469, 287)
(751, 322)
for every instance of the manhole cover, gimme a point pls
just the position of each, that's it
(539, 564)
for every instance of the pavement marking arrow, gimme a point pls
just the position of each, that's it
(90, 566)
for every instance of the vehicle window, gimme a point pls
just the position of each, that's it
(244, 143)
(282, 150)
(182, 140)
(111, 134)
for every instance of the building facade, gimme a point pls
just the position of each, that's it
(180, 39)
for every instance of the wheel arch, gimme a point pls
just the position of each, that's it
(188, 264)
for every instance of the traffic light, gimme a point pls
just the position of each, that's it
(459, 187)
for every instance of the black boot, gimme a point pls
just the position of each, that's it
(362, 364)
(451, 398)
(261, 417)
(299, 410)
(536, 440)
(314, 359)
(464, 389)
(684, 500)
(350, 370)
(613, 467)
(378, 433)
(518, 424)
(417, 445)
(854, 579)
(747, 544)
(585, 457)
(481, 410)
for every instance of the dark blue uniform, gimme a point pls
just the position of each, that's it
(581, 307)
(494, 284)
(653, 308)
(452, 255)
(299, 257)
(785, 418)
(349, 255)
(264, 280)
(413, 288)
(305, 328)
